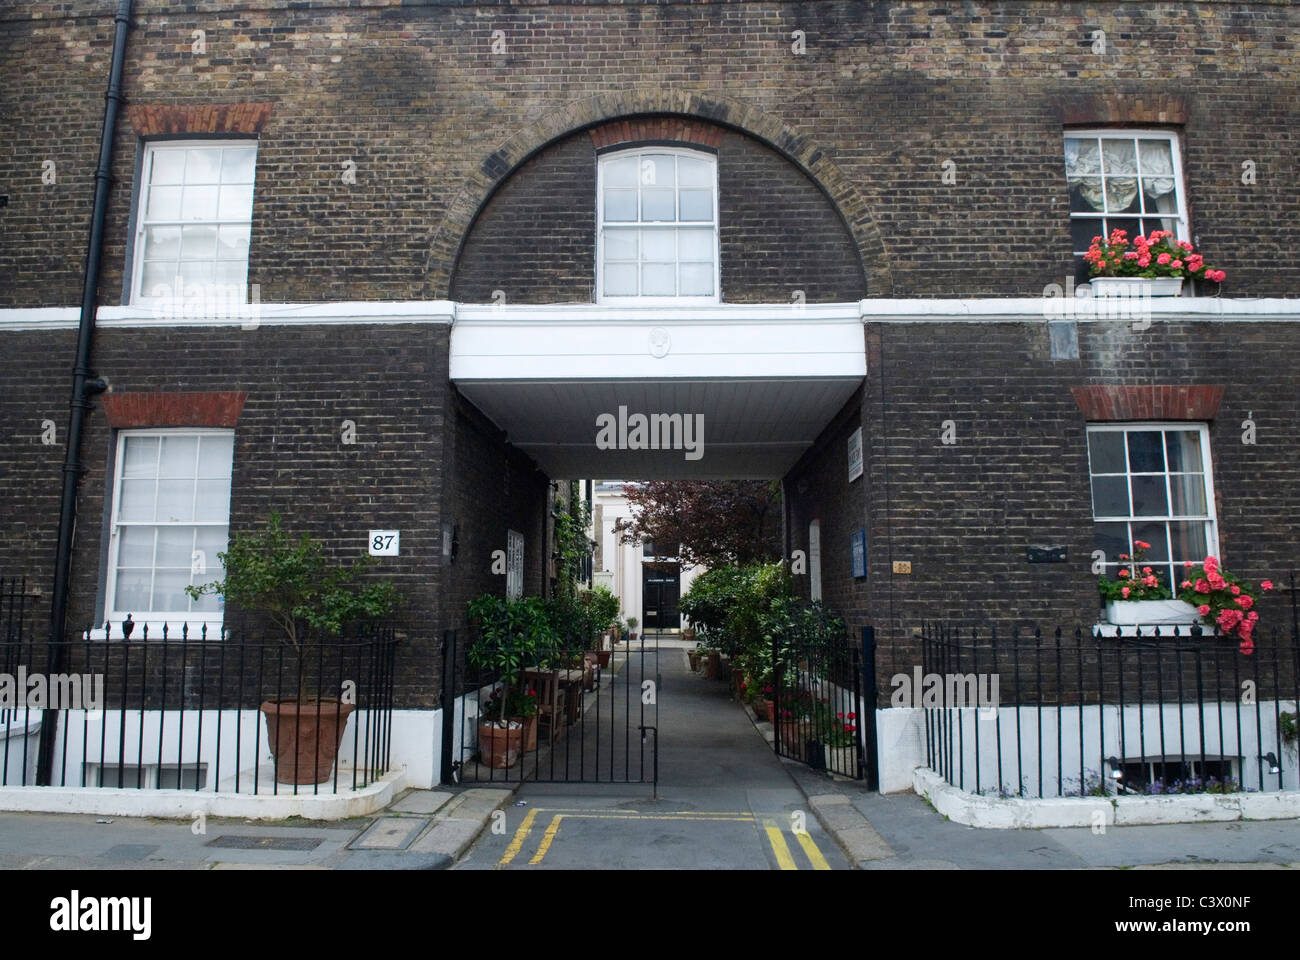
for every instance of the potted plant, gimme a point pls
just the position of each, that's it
(510, 635)
(293, 586)
(1153, 265)
(1223, 600)
(693, 655)
(632, 623)
(1136, 595)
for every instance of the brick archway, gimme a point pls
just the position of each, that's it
(802, 151)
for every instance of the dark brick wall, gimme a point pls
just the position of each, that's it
(302, 383)
(536, 239)
(1018, 474)
(494, 488)
(883, 95)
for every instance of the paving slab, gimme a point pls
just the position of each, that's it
(421, 802)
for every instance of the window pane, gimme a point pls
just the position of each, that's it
(1118, 157)
(620, 280)
(175, 546)
(1082, 231)
(1112, 539)
(135, 548)
(1184, 448)
(695, 244)
(164, 203)
(140, 457)
(169, 589)
(230, 274)
(621, 173)
(136, 503)
(237, 165)
(1156, 535)
(178, 454)
(158, 279)
(236, 203)
(694, 173)
(620, 205)
(212, 541)
(658, 279)
(162, 243)
(1145, 451)
(1132, 227)
(696, 279)
(1122, 197)
(132, 591)
(203, 165)
(168, 166)
(212, 500)
(1190, 542)
(175, 501)
(658, 245)
(1149, 498)
(1106, 451)
(620, 244)
(1110, 497)
(1082, 157)
(195, 271)
(656, 170)
(200, 203)
(1085, 195)
(199, 243)
(1188, 491)
(658, 204)
(696, 205)
(233, 242)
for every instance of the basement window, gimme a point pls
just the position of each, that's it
(657, 226)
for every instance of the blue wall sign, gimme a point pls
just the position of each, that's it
(859, 547)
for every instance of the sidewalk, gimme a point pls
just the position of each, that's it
(901, 831)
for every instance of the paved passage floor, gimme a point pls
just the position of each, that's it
(724, 801)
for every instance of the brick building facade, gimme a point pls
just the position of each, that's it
(427, 171)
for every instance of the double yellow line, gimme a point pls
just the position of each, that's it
(780, 849)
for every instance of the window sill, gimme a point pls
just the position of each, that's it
(1165, 631)
(175, 629)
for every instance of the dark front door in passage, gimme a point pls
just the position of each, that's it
(661, 589)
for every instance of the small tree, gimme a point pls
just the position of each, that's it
(296, 587)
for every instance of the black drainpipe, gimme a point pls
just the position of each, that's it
(84, 385)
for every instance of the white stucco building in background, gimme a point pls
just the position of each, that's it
(647, 579)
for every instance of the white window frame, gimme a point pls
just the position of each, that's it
(1181, 229)
(155, 619)
(1210, 519)
(655, 300)
(151, 149)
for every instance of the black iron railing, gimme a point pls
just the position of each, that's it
(819, 716)
(1071, 713)
(201, 708)
(576, 714)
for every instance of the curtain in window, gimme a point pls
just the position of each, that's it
(1083, 165)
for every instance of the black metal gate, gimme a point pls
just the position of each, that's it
(824, 702)
(577, 716)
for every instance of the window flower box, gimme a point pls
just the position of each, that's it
(1150, 612)
(1136, 286)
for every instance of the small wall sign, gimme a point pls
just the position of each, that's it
(858, 544)
(855, 454)
(384, 543)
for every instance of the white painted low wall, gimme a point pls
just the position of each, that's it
(20, 732)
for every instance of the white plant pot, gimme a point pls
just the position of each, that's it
(1136, 286)
(1145, 612)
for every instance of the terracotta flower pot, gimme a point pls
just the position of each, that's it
(714, 666)
(763, 708)
(603, 657)
(695, 660)
(305, 741)
(530, 731)
(500, 746)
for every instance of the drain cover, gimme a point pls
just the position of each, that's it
(240, 842)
